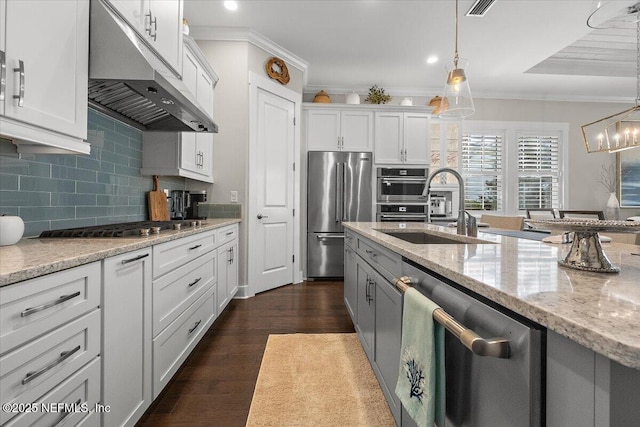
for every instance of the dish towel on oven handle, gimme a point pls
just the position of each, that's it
(421, 377)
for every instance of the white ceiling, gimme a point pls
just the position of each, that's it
(535, 49)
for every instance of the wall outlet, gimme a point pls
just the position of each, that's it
(166, 192)
(234, 196)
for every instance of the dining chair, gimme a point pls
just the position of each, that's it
(581, 214)
(503, 222)
(541, 213)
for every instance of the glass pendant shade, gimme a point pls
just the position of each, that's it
(456, 102)
(614, 133)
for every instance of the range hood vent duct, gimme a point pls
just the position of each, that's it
(130, 82)
(480, 7)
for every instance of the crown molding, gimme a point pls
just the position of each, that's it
(251, 36)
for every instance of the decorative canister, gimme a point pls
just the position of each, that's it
(185, 26)
(353, 98)
(322, 97)
(11, 229)
(437, 104)
(406, 101)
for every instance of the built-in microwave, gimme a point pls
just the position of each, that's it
(401, 185)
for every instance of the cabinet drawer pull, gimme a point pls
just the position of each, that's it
(20, 96)
(195, 326)
(229, 233)
(139, 257)
(3, 74)
(60, 300)
(63, 356)
(371, 253)
(194, 247)
(67, 413)
(195, 282)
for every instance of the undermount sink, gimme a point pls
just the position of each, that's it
(422, 238)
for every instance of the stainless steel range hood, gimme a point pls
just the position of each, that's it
(128, 81)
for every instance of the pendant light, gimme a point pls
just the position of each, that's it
(620, 131)
(457, 102)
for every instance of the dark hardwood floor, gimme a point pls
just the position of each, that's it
(215, 385)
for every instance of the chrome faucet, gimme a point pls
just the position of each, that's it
(471, 228)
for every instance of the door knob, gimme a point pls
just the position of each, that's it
(260, 216)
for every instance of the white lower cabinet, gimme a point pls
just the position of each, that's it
(227, 238)
(173, 293)
(171, 255)
(127, 328)
(174, 344)
(105, 338)
(184, 300)
(227, 273)
(49, 333)
(31, 370)
(70, 403)
(31, 308)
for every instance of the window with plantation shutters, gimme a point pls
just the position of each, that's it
(482, 168)
(509, 167)
(538, 170)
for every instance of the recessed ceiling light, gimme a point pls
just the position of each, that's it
(432, 59)
(231, 4)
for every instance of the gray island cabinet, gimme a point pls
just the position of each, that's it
(590, 346)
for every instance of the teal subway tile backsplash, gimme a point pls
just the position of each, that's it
(63, 191)
(222, 210)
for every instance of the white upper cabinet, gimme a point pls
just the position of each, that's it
(159, 22)
(416, 138)
(336, 130)
(402, 138)
(191, 152)
(45, 54)
(389, 138)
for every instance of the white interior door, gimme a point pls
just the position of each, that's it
(271, 246)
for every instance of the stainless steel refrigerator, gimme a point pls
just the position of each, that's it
(338, 189)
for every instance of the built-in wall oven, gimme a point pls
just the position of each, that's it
(399, 195)
(404, 185)
(401, 213)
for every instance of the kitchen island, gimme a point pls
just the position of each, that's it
(592, 342)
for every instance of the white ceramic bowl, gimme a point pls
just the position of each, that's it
(11, 229)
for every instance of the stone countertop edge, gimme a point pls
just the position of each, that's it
(572, 313)
(34, 257)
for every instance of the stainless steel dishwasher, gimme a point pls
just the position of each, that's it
(486, 391)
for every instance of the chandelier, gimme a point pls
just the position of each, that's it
(620, 131)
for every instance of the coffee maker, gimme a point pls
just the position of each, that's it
(195, 210)
(179, 203)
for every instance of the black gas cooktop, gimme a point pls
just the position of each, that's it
(125, 229)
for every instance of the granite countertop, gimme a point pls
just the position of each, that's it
(597, 310)
(33, 257)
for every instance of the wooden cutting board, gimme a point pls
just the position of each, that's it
(158, 209)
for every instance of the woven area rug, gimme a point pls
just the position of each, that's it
(317, 380)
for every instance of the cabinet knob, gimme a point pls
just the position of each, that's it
(260, 216)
